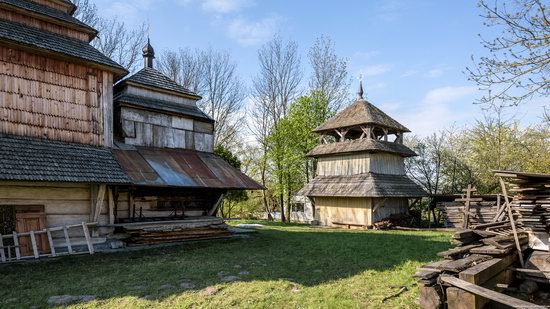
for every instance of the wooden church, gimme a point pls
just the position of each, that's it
(360, 177)
(84, 165)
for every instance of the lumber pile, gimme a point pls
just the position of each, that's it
(146, 233)
(481, 257)
(492, 255)
(453, 212)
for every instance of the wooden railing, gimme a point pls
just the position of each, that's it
(6, 251)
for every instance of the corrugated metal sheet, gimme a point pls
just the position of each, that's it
(181, 168)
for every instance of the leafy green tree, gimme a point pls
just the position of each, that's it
(233, 196)
(291, 139)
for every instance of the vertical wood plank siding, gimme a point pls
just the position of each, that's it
(355, 210)
(53, 99)
(382, 163)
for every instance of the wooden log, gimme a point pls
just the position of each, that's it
(489, 294)
(50, 242)
(484, 271)
(429, 297)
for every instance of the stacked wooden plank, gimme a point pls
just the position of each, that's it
(453, 212)
(531, 202)
(481, 257)
(144, 233)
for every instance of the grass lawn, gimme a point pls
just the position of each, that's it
(282, 266)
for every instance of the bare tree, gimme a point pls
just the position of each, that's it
(329, 72)
(518, 65)
(185, 67)
(276, 85)
(213, 75)
(223, 96)
(114, 39)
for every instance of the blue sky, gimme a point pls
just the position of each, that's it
(412, 54)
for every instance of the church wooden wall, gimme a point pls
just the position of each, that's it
(46, 98)
(355, 210)
(382, 163)
(389, 206)
(56, 4)
(146, 128)
(64, 204)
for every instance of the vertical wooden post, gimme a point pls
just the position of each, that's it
(469, 191)
(34, 246)
(87, 236)
(67, 240)
(111, 202)
(511, 218)
(2, 253)
(16, 244)
(50, 241)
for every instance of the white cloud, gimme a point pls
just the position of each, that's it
(435, 72)
(374, 70)
(409, 73)
(225, 6)
(439, 109)
(252, 32)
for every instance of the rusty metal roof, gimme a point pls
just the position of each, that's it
(181, 168)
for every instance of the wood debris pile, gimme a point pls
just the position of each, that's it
(496, 259)
(145, 233)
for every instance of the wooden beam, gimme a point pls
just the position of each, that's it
(511, 218)
(16, 244)
(88, 238)
(216, 205)
(2, 253)
(489, 294)
(469, 191)
(99, 202)
(111, 202)
(67, 240)
(50, 241)
(34, 246)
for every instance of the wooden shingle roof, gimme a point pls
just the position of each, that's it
(361, 145)
(361, 112)
(161, 105)
(15, 33)
(32, 159)
(363, 185)
(46, 11)
(153, 78)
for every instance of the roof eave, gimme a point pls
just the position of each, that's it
(119, 72)
(158, 89)
(84, 28)
(137, 106)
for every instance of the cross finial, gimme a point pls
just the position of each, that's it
(148, 28)
(360, 90)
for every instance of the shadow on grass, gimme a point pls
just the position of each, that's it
(303, 255)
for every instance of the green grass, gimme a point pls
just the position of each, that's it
(289, 266)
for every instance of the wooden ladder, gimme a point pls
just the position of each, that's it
(7, 258)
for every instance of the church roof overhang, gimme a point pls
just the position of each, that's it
(173, 108)
(363, 185)
(361, 145)
(361, 112)
(19, 36)
(49, 14)
(34, 159)
(162, 167)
